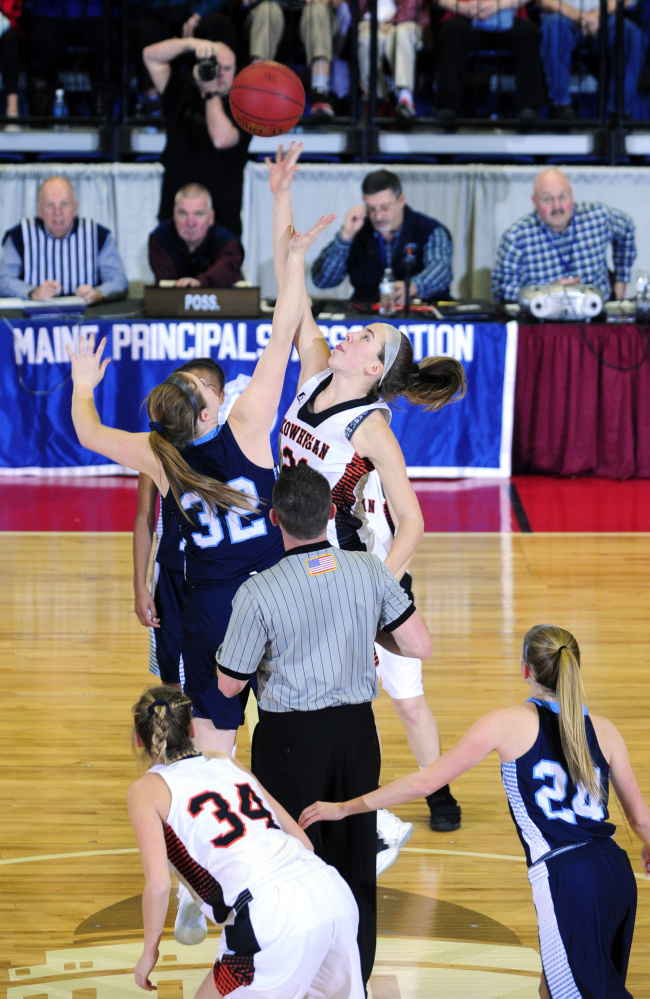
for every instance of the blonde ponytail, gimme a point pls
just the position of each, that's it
(553, 656)
(571, 698)
(183, 479)
(173, 412)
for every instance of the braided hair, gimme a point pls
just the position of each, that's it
(162, 719)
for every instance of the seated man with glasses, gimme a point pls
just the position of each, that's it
(385, 233)
(564, 241)
(58, 253)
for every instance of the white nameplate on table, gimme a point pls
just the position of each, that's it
(64, 303)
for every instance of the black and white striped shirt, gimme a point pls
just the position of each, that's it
(309, 623)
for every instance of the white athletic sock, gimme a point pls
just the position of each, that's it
(406, 95)
(320, 81)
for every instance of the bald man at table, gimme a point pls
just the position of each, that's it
(566, 241)
(57, 253)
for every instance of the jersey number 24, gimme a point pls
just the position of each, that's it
(551, 795)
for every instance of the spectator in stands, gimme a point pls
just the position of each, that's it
(380, 234)
(53, 25)
(10, 11)
(153, 21)
(204, 144)
(322, 32)
(564, 23)
(564, 241)
(494, 24)
(401, 26)
(58, 253)
(191, 248)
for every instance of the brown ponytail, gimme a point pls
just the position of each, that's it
(553, 657)
(432, 383)
(173, 410)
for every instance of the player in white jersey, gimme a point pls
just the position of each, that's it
(339, 424)
(557, 762)
(401, 676)
(290, 920)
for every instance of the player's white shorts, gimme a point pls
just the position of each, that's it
(306, 929)
(400, 676)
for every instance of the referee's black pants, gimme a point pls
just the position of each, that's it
(329, 755)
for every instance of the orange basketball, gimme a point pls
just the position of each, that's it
(267, 98)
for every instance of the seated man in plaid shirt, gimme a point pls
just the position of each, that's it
(564, 241)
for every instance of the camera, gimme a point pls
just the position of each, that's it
(207, 69)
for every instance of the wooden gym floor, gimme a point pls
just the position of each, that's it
(455, 913)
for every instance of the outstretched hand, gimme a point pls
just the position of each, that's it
(321, 811)
(285, 165)
(300, 242)
(87, 366)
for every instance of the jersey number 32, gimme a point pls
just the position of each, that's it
(242, 525)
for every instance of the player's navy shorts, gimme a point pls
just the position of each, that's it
(207, 612)
(169, 599)
(586, 905)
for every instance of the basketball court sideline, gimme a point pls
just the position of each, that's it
(521, 504)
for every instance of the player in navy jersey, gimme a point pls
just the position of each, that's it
(339, 424)
(295, 921)
(161, 609)
(557, 762)
(217, 480)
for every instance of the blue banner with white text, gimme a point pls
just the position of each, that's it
(468, 438)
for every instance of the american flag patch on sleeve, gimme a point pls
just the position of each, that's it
(322, 563)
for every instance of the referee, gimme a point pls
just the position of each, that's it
(308, 625)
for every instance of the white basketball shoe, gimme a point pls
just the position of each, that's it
(191, 926)
(392, 834)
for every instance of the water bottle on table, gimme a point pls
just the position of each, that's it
(643, 298)
(60, 110)
(387, 294)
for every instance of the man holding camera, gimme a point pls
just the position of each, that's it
(204, 144)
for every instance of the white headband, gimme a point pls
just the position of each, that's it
(391, 347)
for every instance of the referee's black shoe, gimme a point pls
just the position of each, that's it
(445, 810)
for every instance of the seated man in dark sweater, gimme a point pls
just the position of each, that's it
(380, 234)
(191, 248)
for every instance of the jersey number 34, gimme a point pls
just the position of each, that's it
(250, 807)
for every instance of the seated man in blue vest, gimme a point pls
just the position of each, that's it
(58, 253)
(381, 234)
(192, 249)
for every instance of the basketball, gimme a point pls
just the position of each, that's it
(267, 98)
